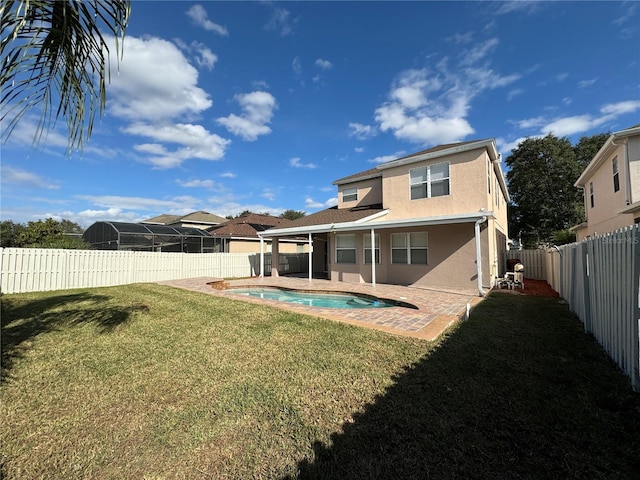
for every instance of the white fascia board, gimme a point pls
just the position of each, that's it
(632, 208)
(357, 179)
(488, 144)
(373, 217)
(359, 225)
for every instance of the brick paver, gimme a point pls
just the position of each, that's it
(435, 309)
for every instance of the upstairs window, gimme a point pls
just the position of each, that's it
(591, 194)
(346, 248)
(430, 181)
(616, 175)
(409, 248)
(350, 194)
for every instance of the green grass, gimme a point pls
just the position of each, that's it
(150, 382)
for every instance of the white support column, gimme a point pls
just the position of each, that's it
(310, 258)
(261, 257)
(373, 257)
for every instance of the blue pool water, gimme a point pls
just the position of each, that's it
(324, 300)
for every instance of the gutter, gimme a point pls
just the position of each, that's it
(479, 222)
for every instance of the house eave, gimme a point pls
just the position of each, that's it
(385, 224)
(488, 144)
(632, 208)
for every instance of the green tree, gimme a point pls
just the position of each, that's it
(54, 51)
(292, 214)
(541, 175)
(51, 233)
(587, 148)
(9, 233)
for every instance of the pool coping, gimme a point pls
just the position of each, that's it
(437, 309)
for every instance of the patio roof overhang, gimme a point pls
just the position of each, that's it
(371, 222)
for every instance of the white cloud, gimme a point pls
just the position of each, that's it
(154, 81)
(324, 64)
(182, 203)
(582, 123)
(514, 93)
(297, 67)
(258, 108)
(281, 21)
(196, 183)
(269, 194)
(478, 52)
(194, 142)
(587, 83)
(311, 203)
(532, 122)
(296, 163)
(199, 16)
(358, 149)
(362, 132)
(430, 105)
(561, 77)
(206, 58)
(228, 175)
(387, 158)
(526, 6)
(505, 146)
(21, 178)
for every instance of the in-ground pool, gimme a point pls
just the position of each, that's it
(323, 300)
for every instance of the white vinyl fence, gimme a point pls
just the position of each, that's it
(600, 280)
(38, 269)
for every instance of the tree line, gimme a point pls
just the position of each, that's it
(47, 233)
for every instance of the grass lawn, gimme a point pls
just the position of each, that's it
(150, 382)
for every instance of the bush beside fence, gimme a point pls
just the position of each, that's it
(39, 269)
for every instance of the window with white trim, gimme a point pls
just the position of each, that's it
(591, 194)
(616, 175)
(367, 248)
(409, 248)
(346, 248)
(430, 181)
(350, 194)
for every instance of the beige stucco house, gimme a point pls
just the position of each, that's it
(611, 185)
(199, 219)
(436, 218)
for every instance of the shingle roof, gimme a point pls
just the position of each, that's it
(336, 215)
(248, 225)
(163, 219)
(202, 217)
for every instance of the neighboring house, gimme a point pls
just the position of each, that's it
(436, 218)
(199, 219)
(240, 235)
(611, 185)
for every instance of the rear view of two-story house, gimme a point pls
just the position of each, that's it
(611, 185)
(436, 218)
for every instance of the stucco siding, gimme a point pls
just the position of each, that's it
(466, 195)
(634, 168)
(369, 193)
(451, 259)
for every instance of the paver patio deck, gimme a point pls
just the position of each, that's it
(435, 309)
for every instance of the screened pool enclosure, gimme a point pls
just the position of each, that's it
(148, 238)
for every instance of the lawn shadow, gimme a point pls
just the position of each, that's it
(22, 322)
(517, 392)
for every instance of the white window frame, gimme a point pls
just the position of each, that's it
(429, 182)
(367, 247)
(591, 195)
(346, 248)
(616, 174)
(347, 193)
(408, 248)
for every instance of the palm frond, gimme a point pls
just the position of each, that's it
(56, 51)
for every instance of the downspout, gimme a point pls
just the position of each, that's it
(479, 222)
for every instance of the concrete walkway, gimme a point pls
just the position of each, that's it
(435, 309)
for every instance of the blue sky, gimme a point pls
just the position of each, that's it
(233, 106)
